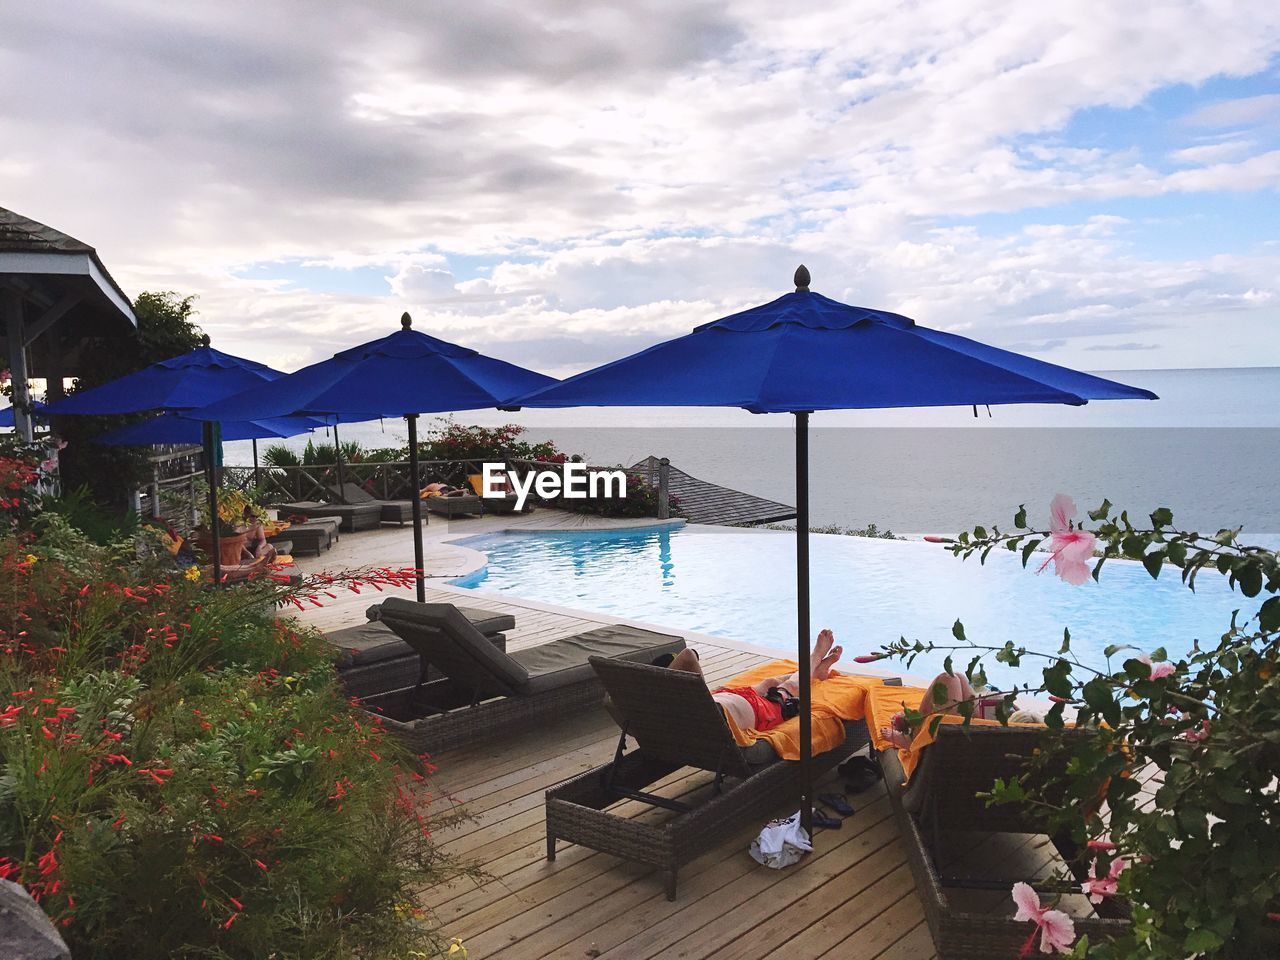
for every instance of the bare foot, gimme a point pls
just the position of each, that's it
(823, 669)
(822, 645)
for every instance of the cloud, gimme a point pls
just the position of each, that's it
(1244, 111)
(1123, 346)
(550, 182)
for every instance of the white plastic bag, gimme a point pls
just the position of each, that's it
(781, 843)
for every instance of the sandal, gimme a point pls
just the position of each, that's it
(837, 802)
(820, 819)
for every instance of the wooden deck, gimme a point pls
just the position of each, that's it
(853, 897)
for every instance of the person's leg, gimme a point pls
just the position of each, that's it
(957, 689)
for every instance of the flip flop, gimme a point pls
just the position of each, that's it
(837, 802)
(820, 819)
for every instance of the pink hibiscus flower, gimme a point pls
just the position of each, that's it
(1056, 929)
(1070, 549)
(1158, 670)
(1099, 887)
(1196, 734)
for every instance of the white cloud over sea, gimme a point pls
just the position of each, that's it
(558, 183)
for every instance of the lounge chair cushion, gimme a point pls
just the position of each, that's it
(354, 493)
(567, 661)
(374, 642)
(454, 645)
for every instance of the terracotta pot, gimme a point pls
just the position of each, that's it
(231, 544)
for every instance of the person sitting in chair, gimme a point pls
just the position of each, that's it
(768, 703)
(256, 546)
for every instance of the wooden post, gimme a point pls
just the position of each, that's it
(664, 492)
(337, 456)
(15, 331)
(155, 490)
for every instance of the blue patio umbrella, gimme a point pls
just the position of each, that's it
(6, 415)
(175, 428)
(805, 352)
(401, 375)
(179, 383)
(184, 382)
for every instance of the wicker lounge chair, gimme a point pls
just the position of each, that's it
(502, 503)
(486, 692)
(354, 516)
(675, 723)
(315, 535)
(372, 659)
(393, 511)
(450, 506)
(941, 796)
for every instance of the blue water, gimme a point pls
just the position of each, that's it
(742, 586)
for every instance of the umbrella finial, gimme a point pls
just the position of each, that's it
(802, 278)
(406, 321)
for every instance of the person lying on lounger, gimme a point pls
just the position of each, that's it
(771, 701)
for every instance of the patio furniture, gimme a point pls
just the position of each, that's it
(450, 506)
(372, 658)
(354, 516)
(393, 511)
(315, 535)
(502, 503)
(942, 796)
(675, 723)
(486, 692)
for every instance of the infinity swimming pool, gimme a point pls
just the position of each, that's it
(742, 586)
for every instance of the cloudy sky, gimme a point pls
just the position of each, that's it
(558, 183)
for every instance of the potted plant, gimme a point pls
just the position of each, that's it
(235, 507)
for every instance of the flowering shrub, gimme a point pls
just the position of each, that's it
(447, 440)
(180, 777)
(1175, 799)
(25, 468)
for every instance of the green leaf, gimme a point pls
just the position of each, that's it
(957, 631)
(1111, 650)
(1269, 614)
(980, 533)
(1161, 517)
(1066, 642)
(1177, 553)
(1250, 580)
(1153, 562)
(1202, 941)
(1102, 512)
(1029, 548)
(1020, 518)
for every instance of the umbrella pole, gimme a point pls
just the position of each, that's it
(416, 480)
(256, 480)
(802, 620)
(211, 474)
(337, 456)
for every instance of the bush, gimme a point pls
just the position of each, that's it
(180, 775)
(1174, 798)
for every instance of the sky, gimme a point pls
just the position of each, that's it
(559, 184)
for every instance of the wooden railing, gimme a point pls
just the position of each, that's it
(391, 481)
(386, 481)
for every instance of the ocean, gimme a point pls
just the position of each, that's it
(1209, 449)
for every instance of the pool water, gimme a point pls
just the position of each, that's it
(742, 586)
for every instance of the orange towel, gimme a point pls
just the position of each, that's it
(838, 698)
(884, 702)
